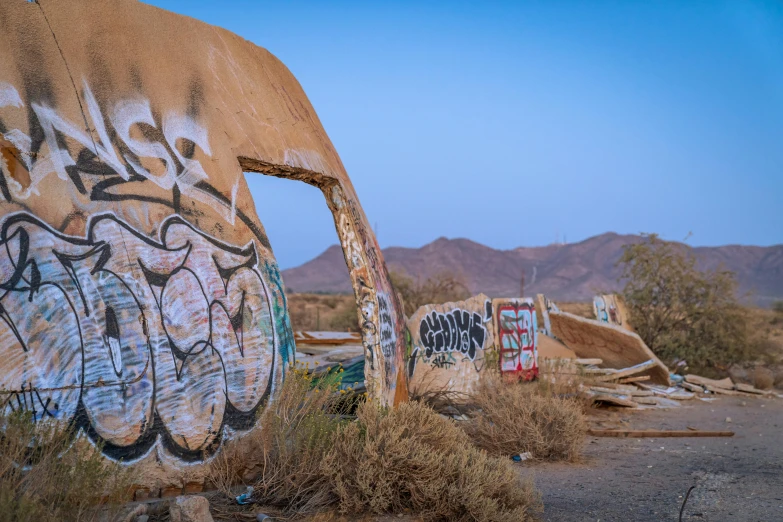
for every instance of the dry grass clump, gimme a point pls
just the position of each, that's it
(45, 476)
(410, 458)
(513, 418)
(283, 458)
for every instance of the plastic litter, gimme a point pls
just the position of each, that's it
(246, 497)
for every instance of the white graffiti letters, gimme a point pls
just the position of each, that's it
(132, 339)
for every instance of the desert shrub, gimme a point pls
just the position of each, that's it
(282, 458)
(509, 419)
(778, 306)
(680, 311)
(763, 378)
(410, 458)
(441, 288)
(46, 476)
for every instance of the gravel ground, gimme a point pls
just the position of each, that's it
(736, 479)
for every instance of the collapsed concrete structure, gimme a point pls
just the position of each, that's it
(613, 345)
(141, 300)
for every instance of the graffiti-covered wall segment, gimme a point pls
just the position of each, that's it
(449, 345)
(141, 301)
(517, 336)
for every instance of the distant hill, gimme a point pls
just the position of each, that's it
(571, 272)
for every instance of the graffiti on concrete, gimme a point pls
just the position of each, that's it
(455, 331)
(163, 152)
(134, 340)
(605, 308)
(516, 331)
(448, 344)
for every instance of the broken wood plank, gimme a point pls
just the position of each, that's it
(747, 388)
(725, 384)
(631, 393)
(599, 371)
(646, 401)
(638, 378)
(639, 434)
(588, 362)
(721, 391)
(627, 372)
(692, 387)
(615, 400)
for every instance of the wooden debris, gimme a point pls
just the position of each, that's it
(747, 388)
(647, 401)
(627, 372)
(632, 393)
(587, 362)
(638, 434)
(615, 400)
(725, 384)
(590, 370)
(692, 387)
(721, 391)
(638, 378)
(663, 402)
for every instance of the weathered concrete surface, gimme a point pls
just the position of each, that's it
(543, 307)
(549, 348)
(449, 345)
(610, 308)
(142, 301)
(516, 333)
(617, 347)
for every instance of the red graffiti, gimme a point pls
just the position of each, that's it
(517, 339)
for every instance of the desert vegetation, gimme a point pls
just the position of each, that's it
(309, 456)
(687, 314)
(45, 476)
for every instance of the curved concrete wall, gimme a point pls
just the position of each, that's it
(140, 297)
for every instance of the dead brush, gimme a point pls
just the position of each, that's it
(46, 476)
(411, 458)
(439, 396)
(282, 458)
(509, 419)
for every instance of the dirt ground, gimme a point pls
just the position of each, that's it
(736, 479)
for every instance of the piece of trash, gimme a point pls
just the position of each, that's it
(522, 457)
(676, 378)
(728, 419)
(261, 517)
(245, 498)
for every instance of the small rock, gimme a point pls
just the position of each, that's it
(190, 509)
(142, 518)
(728, 419)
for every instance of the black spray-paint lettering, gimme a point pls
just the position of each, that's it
(455, 331)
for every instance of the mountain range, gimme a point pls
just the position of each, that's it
(564, 272)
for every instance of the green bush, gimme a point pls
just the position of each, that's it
(680, 311)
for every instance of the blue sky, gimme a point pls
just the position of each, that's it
(510, 123)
